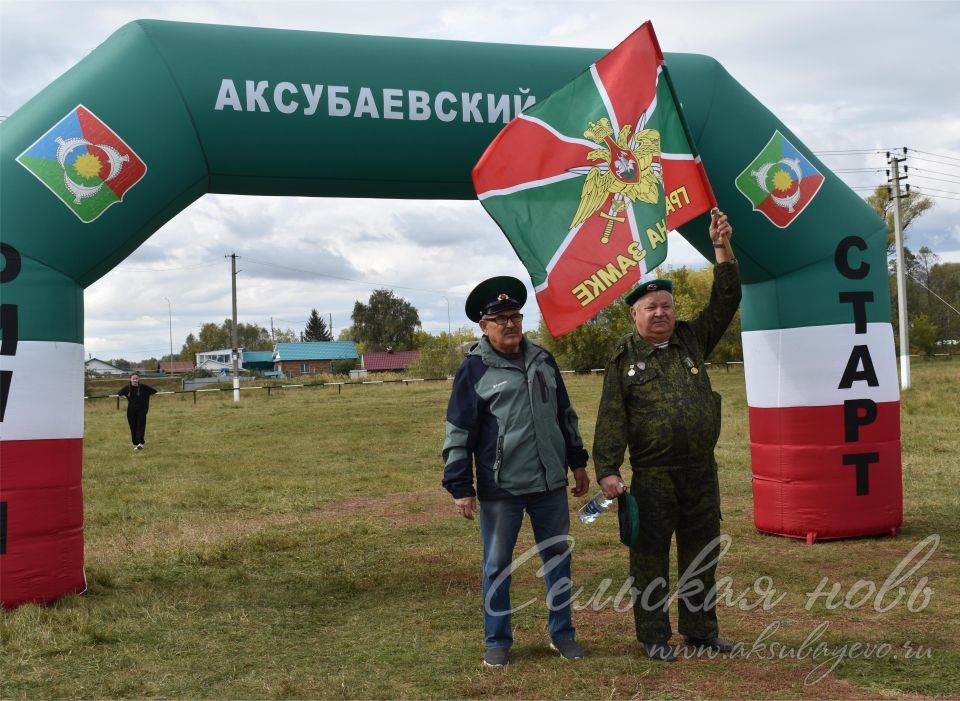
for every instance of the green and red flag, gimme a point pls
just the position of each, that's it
(586, 183)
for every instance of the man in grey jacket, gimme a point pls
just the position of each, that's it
(509, 415)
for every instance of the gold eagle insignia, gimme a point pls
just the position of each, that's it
(630, 170)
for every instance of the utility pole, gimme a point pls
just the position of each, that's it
(894, 172)
(330, 328)
(170, 320)
(235, 354)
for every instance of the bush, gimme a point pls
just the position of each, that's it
(197, 372)
(436, 362)
(343, 366)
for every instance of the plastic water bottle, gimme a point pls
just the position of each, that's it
(592, 509)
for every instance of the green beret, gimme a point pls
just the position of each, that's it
(649, 286)
(495, 295)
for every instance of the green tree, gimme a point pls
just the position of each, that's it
(284, 336)
(385, 322)
(316, 329)
(923, 335)
(343, 366)
(440, 355)
(252, 337)
(944, 283)
(590, 345)
(348, 333)
(912, 206)
(211, 336)
(121, 363)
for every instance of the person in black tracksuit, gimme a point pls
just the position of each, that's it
(138, 404)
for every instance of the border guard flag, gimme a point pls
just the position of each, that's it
(586, 183)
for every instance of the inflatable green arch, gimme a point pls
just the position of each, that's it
(162, 113)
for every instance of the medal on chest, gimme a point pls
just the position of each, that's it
(636, 366)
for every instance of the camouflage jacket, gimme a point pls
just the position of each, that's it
(659, 402)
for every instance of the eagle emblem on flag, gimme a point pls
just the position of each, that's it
(630, 171)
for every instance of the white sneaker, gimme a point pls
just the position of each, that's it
(139, 446)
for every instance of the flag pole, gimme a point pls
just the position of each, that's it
(686, 128)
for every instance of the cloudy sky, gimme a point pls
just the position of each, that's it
(845, 76)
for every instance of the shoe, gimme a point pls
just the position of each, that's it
(716, 644)
(568, 649)
(661, 652)
(496, 657)
(139, 446)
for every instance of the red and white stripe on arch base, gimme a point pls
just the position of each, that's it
(41, 458)
(824, 431)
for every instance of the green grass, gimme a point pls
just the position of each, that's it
(300, 546)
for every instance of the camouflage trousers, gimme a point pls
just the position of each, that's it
(685, 502)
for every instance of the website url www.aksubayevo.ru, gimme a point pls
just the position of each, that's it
(813, 648)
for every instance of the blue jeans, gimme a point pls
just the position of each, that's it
(500, 521)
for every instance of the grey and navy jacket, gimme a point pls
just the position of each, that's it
(518, 427)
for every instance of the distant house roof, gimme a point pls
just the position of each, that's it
(389, 361)
(258, 360)
(102, 367)
(315, 350)
(215, 366)
(176, 367)
(257, 357)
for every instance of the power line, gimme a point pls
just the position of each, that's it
(934, 294)
(850, 152)
(930, 160)
(941, 197)
(936, 155)
(858, 170)
(942, 180)
(936, 172)
(937, 189)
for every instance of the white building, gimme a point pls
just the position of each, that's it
(215, 360)
(96, 366)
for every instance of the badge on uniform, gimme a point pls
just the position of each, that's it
(694, 370)
(636, 366)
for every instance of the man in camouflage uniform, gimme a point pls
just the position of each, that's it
(657, 400)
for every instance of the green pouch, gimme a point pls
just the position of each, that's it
(629, 515)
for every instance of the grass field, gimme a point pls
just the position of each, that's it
(300, 546)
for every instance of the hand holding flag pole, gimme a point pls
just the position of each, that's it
(720, 233)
